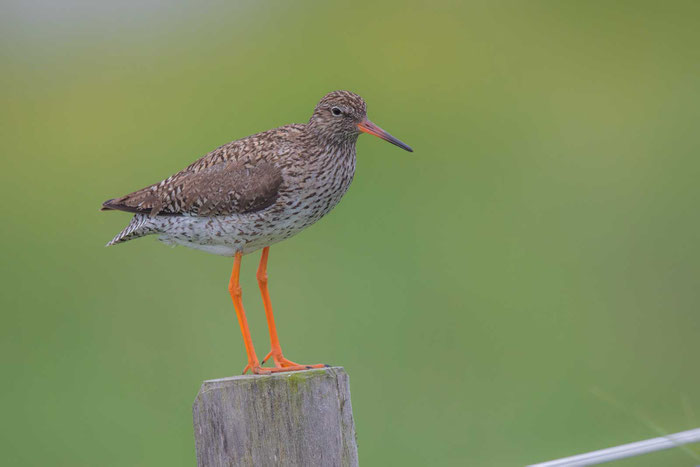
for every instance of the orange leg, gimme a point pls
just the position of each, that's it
(235, 289)
(281, 363)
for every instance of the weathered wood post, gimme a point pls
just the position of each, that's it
(301, 418)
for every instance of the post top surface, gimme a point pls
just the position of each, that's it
(289, 374)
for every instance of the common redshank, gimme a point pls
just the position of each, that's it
(254, 192)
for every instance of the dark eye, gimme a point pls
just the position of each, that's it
(336, 111)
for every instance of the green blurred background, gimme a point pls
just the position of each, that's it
(523, 287)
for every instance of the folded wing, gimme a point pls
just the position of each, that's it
(225, 188)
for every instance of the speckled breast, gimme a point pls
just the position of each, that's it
(307, 196)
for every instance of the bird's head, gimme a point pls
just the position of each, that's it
(342, 116)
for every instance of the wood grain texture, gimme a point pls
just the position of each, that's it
(301, 418)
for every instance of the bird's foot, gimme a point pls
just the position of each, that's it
(288, 365)
(281, 364)
(259, 370)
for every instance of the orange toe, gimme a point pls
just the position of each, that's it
(259, 370)
(283, 364)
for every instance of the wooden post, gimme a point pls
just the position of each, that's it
(301, 418)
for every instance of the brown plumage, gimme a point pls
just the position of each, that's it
(258, 190)
(254, 192)
(228, 187)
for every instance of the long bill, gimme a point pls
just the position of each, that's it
(368, 127)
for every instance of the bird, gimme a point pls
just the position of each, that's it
(252, 193)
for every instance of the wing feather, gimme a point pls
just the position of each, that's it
(224, 188)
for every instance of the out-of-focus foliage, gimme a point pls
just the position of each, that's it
(541, 241)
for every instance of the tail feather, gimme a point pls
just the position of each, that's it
(139, 226)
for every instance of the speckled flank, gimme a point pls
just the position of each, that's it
(255, 191)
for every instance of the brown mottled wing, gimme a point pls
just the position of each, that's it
(224, 188)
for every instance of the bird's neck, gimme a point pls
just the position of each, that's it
(333, 142)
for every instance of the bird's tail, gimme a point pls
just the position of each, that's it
(139, 226)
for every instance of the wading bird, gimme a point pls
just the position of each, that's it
(254, 192)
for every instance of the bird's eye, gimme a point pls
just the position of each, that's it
(336, 111)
